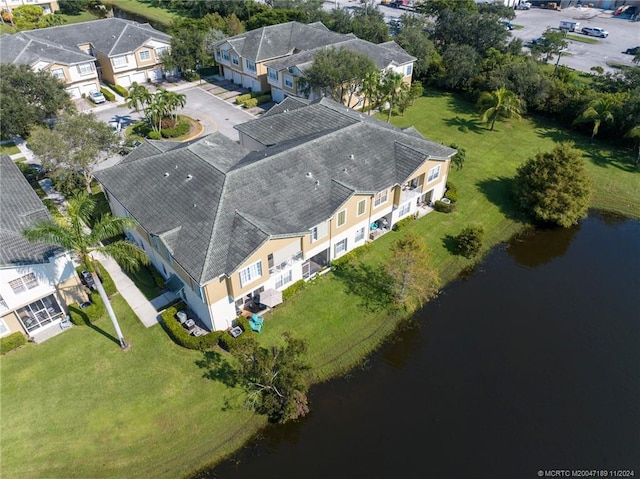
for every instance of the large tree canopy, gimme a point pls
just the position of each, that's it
(28, 98)
(554, 186)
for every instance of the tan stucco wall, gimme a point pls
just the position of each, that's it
(107, 69)
(352, 208)
(11, 320)
(72, 291)
(148, 63)
(217, 289)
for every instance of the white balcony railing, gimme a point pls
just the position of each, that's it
(409, 193)
(295, 259)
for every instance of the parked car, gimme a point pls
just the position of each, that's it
(87, 279)
(508, 25)
(595, 32)
(633, 51)
(96, 97)
(524, 6)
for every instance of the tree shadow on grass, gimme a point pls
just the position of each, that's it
(450, 244)
(499, 192)
(218, 368)
(87, 321)
(458, 104)
(371, 285)
(465, 125)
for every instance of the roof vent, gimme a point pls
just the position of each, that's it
(351, 157)
(166, 174)
(344, 170)
(194, 205)
(317, 183)
(309, 175)
(189, 176)
(176, 167)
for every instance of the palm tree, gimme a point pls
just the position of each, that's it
(597, 111)
(370, 88)
(499, 104)
(138, 97)
(393, 87)
(634, 134)
(72, 233)
(172, 101)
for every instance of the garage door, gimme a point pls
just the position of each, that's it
(277, 95)
(89, 87)
(155, 75)
(125, 81)
(74, 92)
(228, 74)
(139, 78)
(237, 78)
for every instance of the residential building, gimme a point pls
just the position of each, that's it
(309, 182)
(273, 58)
(37, 280)
(48, 6)
(82, 54)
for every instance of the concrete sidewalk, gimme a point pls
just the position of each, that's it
(129, 291)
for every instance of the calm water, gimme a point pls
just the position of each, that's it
(531, 363)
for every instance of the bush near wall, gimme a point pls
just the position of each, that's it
(240, 99)
(403, 223)
(451, 192)
(107, 283)
(294, 289)
(108, 94)
(120, 90)
(11, 342)
(93, 312)
(231, 344)
(180, 336)
(346, 259)
(444, 207)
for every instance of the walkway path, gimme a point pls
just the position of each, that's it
(129, 291)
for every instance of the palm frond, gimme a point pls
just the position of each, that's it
(48, 231)
(109, 226)
(128, 255)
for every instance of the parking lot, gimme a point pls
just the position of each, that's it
(623, 34)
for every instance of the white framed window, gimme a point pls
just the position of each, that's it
(405, 208)
(433, 173)
(119, 61)
(381, 198)
(145, 55)
(288, 81)
(250, 273)
(409, 70)
(359, 235)
(362, 207)
(319, 231)
(85, 68)
(273, 74)
(4, 329)
(284, 278)
(22, 284)
(235, 60)
(251, 65)
(340, 247)
(342, 218)
(225, 55)
(58, 73)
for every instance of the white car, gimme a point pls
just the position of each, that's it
(96, 97)
(595, 32)
(524, 6)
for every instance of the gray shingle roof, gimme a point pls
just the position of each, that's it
(20, 208)
(238, 199)
(112, 36)
(275, 41)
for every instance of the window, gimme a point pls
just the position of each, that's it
(160, 51)
(39, 313)
(225, 55)
(3, 304)
(273, 74)
(145, 55)
(288, 81)
(360, 235)
(319, 231)
(380, 198)
(85, 68)
(342, 218)
(434, 173)
(250, 273)
(4, 329)
(119, 61)
(340, 247)
(58, 73)
(404, 209)
(28, 281)
(283, 279)
(235, 60)
(362, 206)
(250, 65)
(409, 69)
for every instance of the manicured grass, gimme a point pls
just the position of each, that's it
(144, 281)
(153, 14)
(9, 148)
(76, 406)
(582, 39)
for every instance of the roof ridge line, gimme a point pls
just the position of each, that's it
(118, 39)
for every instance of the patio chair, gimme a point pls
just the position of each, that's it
(258, 318)
(255, 325)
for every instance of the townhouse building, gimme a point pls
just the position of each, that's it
(37, 280)
(309, 182)
(83, 54)
(274, 58)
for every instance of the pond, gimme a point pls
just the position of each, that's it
(531, 363)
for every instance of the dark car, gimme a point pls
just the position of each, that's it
(633, 51)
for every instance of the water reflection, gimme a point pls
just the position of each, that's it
(550, 243)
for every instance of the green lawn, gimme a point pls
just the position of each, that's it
(9, 148)
(136, 7)
(76, 406)
(582, 39)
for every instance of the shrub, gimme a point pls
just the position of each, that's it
(292, 290)
(452, 195)
(179, 130)
(190, 75)
(451, 187)
(120, 90)
(240, 99)
(11, 342)
(340, 263)
(469, 241)
(91, 313)
(250, 103)
(158, 280)
(155, 135)
(107, 94)
(231, 344)
(180, 336)
(444, 207)
(403, 223)
(266, 98)
(107, 283)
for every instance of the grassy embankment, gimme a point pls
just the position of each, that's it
(76, 406)
(153, 14)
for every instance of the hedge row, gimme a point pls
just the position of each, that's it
(108, 94)
(344, 260)
(120, 90)
(451, 192)
(240, 99)
(93, 312)
(253, 100)
(11, 342)
(180, 335)
(444, 207)
(403, 223)
(292, 290)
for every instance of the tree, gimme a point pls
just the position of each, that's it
(28, 98)
(634, 134)
(393, 89)
(410, 270)
(139, 97)
(275, 16)
(26, 17)
(274, 378)
(462, 66)
(499, 104)
(73, 7)
(437, 7)
(415, 91)
(480, 31)
(368, 24)
(554, 186)
(459, 158)
(415, 42)
(188, 48)
(552, 43)
(77, 143)
(598, 111)
(72, 233)
(469, 241)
